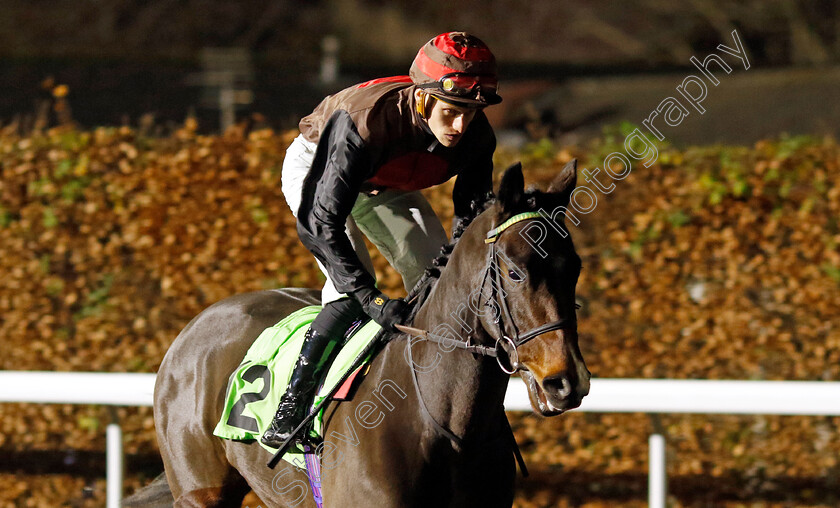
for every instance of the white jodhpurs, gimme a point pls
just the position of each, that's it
(401, 224)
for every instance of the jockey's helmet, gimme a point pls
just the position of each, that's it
(459, 68)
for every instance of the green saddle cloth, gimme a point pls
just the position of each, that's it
(255, 387)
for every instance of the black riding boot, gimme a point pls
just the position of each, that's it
(295, 403)
(320, 347)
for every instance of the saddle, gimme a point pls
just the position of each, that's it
(255, 387)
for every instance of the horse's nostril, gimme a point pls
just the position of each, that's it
(559, 386)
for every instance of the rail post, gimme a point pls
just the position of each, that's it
(115, 461)
(657, 479)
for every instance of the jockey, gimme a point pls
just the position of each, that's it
(357, 167)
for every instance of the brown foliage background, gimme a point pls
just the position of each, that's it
(716, 262)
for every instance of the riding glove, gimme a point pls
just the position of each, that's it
(385, 311)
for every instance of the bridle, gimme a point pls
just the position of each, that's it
(506, 350)
(507, 346)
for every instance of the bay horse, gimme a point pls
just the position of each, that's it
(419, 433)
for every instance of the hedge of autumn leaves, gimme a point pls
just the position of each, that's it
(717, 262)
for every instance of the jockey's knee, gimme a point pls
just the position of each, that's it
(337, 316)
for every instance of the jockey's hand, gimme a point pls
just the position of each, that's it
(387, 312)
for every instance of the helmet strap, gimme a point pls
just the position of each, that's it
(424, 105)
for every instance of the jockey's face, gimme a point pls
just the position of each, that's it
(448, 122)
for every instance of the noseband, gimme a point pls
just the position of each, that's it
(506, 349)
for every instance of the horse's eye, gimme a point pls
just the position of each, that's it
(515, 276)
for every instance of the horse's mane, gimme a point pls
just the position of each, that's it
(420, 292)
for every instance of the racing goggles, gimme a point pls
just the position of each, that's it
(464, 85)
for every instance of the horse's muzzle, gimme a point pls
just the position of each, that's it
(556, 394)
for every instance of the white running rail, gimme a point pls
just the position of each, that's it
(653, 396)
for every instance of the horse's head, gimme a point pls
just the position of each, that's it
(529, 283)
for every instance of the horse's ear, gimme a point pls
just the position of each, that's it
(564, 183)
(512, 188)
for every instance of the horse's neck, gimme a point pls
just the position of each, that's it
(463, 392)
